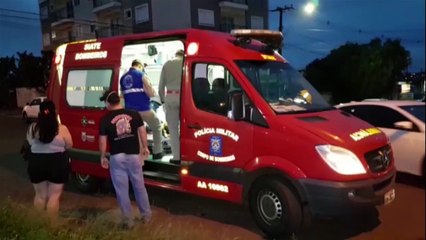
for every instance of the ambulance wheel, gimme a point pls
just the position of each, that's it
(275, 208)
(85, 183)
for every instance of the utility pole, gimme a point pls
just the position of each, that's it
(282, 10)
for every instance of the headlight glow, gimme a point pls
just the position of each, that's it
(341, 160)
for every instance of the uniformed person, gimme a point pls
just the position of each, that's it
(137, 90)
(170, 79)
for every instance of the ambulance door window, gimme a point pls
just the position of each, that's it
(253, 115)
(210, 88)
(84, 87)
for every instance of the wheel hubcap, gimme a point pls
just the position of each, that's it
(270, 206)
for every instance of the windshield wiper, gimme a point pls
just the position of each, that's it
(320, 109)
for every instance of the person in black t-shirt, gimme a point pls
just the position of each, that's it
(125, 133)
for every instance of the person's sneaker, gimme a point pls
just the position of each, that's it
(157, 156)
(174, 161)
(127, 225)
(143, 220)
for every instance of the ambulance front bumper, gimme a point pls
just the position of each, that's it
(327, 199)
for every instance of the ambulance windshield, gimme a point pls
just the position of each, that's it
(284, 88)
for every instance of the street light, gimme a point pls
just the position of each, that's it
(309, 8)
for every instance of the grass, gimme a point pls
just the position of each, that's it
(20, 222)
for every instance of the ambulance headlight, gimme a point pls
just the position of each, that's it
(340, 160)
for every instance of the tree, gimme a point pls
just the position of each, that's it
(29, 72)
(24, 71)
(7, 69)
(46, 61)
(360, 71)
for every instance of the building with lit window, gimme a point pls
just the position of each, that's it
(70, 20)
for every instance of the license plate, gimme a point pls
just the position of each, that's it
(389, 196)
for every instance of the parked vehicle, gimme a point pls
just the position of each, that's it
(404, 124)
(31, 109)
(252, 129)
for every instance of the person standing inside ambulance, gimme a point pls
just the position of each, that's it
(137, 90)
(170, 78)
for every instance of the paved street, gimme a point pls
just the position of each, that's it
(403, 219)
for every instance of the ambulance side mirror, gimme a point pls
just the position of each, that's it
(152, 50)
(237, 111)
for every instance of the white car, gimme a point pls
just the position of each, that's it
(403, 122)
(31, 110)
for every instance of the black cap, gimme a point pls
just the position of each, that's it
(110, 97)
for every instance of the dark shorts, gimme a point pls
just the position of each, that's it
(52, 167)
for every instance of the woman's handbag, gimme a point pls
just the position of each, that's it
(26, 150)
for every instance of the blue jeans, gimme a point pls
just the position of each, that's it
(122, 168)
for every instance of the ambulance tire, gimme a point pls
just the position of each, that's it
(275, 208)
(85, 183)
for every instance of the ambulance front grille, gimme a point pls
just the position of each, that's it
(380, 159)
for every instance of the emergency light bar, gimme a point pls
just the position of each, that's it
(272, 39)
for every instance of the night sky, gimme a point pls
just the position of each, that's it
(334, 23)
(19, 27)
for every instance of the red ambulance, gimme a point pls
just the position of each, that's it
(252, 129)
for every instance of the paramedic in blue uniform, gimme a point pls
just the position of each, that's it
(170, 79)
(137, 91)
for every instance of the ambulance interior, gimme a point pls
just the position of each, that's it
(154, 55)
